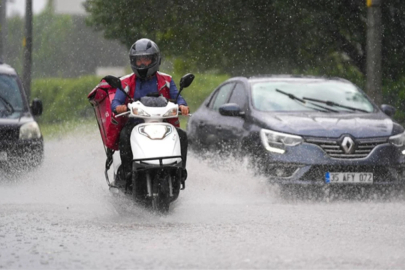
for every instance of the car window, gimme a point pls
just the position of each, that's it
(10, 93)
(239, 95)
(266, 98)
(221, 96)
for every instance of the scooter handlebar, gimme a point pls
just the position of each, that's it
(179, 113)
(123, 114)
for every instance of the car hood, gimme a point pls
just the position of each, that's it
(16, 119)
(328, 125)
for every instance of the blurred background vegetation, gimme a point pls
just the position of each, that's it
(214, 39)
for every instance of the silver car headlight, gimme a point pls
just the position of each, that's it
(30, 131)
(398, 140)
(276, 141)
(155, 132)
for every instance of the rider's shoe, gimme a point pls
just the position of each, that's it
(124, 175)
(128, 176)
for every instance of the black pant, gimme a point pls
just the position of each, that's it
(126, 152)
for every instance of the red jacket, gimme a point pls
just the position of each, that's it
(101, 97)
(163, 81)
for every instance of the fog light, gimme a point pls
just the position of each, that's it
(280, 172)
(403, 152)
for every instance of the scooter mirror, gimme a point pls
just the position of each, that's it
(113, 81)
(186, 80)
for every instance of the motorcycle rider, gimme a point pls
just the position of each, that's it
(145, 59)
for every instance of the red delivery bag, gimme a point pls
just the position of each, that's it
(110, 126)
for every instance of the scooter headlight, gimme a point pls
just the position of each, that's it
(155, 132)
(139, 112)
(173, 112)
(276, 141)
(30, 131)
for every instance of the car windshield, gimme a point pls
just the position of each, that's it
(10, 95)
(318, 95)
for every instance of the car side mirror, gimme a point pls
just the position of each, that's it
(36, 107)
(388, 110)
(231, 109)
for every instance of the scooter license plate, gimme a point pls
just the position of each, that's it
(348, 178)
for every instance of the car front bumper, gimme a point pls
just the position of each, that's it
(14, 154)
(307, 164)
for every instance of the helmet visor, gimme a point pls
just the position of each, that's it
(143, 61)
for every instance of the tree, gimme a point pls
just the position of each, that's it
(257, 36)
(63, 46)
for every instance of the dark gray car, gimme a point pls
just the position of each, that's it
(21, 142)
(303, 130)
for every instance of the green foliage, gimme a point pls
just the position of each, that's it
(57, 130)
(259, 36)
(63, 46)
(339, 68)
(201, 87)
(14, 49)
(51, 32)
(394, 95)
(64, 99)
(51, 54)
(181, 65)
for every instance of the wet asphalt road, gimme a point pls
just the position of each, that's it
(62, 216)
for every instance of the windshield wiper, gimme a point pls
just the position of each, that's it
(305, 103)
(7, 104)
(291, 96)
(333, 104)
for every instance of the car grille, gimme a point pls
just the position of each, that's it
(334, 149)
(9, 134)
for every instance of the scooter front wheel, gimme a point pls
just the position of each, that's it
(160, 193)
(139, 188)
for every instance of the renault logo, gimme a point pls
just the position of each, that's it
(348, 145)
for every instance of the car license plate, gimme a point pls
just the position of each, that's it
(3, 156)
(345, 177)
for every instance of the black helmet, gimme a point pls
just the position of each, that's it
(144, 57)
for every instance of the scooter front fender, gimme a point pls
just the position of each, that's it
(148, 141)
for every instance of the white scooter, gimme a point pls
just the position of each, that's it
(157, 167)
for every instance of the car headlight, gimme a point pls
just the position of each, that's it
(171, 113)
(139, 112)
(398, 140)
(30, 131)
(155, 132)
(276, 141)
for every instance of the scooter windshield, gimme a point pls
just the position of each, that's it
(148, 101)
